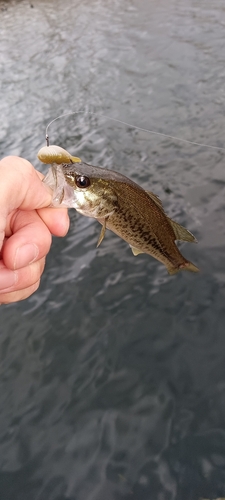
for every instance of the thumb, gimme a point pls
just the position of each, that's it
(21, 187)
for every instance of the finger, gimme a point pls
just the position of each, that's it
(8, 298)
(56, 219)
(12, 281)
(28, 192)
(20, 187)
(30, 240)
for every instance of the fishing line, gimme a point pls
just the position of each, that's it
(128, 125)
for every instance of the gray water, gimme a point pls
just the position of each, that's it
(112, 381)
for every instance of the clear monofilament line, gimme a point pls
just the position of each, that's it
(132, 126)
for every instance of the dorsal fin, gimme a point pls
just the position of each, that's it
(156, 199)
(181, 233)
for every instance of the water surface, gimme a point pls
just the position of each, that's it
(113, 373)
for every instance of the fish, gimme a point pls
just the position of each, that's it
(120, 205)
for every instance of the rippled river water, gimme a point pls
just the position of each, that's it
(112, 379)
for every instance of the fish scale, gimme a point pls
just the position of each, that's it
(129, 224)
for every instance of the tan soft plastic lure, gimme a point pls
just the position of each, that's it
(56, 154)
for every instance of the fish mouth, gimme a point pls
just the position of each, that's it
(62, 193)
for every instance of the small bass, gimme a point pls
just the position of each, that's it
(119, 204)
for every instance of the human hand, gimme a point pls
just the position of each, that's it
(26, 226)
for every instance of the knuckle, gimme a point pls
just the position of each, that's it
(8, 298)
(36, 270)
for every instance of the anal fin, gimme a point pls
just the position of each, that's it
(135, 250)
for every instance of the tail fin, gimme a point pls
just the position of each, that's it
(187, 266)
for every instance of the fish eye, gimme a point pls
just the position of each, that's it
(82, 181)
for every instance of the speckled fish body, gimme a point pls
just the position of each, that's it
(122, 206)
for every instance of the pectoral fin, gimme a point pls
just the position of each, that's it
(135, 250)
(102, 233)
(181, 233)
